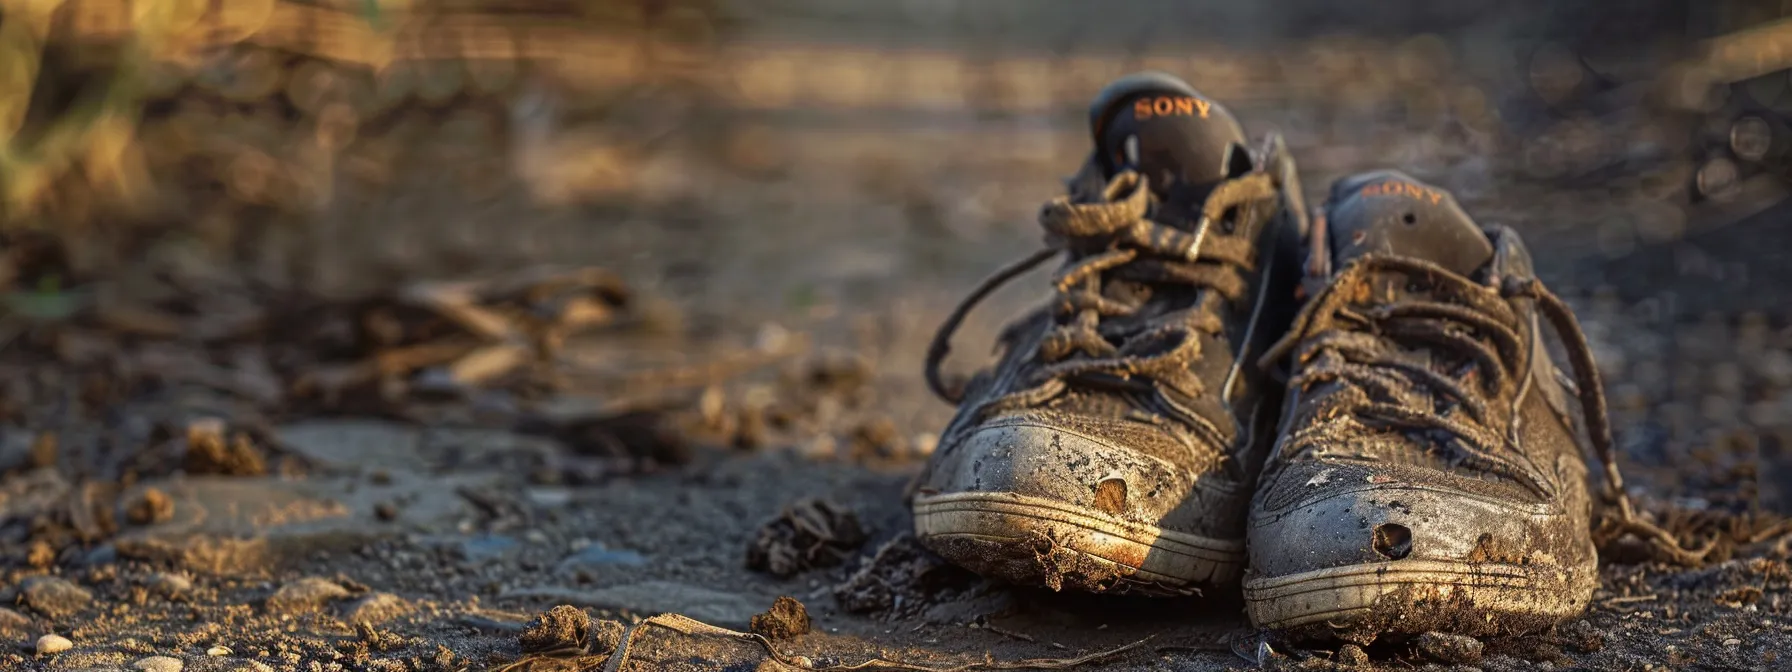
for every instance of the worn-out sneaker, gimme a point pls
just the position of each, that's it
(1114, 445)
(1430, 472)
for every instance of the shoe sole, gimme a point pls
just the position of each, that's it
(1359, 602)
(1039, 542)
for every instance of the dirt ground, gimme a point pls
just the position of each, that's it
(759, 414)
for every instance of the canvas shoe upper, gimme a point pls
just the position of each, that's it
(1431, 471)
(1114, 445)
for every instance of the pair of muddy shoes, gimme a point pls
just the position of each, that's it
(1355, 413)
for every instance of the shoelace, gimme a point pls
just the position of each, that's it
(1114, 239)
(1325, 348)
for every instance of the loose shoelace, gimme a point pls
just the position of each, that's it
(1112, 239)
(1331, 342)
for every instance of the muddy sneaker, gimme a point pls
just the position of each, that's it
(1429, 475)
(1114, 445)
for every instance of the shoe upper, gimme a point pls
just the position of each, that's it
(1425, 417)
(1136, 374)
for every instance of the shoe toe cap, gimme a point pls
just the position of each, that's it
(1080, 469)
(1318, 516)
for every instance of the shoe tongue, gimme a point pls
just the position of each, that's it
(1390, 212)
(1175, 140)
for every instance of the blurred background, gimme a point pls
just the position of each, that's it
(247, 193)
(455, 135)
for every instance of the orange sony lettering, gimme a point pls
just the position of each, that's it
(1405, 189)
(1164, 106)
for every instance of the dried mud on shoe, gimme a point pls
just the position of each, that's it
(1411, 610)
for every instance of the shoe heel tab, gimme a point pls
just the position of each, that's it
(1087, 185)
(1510, 256)
(1238, 161)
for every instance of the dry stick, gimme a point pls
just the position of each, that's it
(1024, 637)
(689, 626)
(1010, 633)
(1777, 530)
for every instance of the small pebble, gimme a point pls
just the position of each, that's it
(1448, 648)
(1353, 655)
(375, 608)
(1732, 642)
(152, 506)
(787, 618)
(170, 586)
(219, 651)
(49, 644)
(158, 664)
(54, 597)
(11, 620)
(305, 594)
(41, 556)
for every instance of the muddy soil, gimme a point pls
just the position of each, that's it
(444, 538)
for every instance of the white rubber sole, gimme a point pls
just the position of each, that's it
(1033, 541)
(1420, 595)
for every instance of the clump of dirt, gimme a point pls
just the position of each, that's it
(786, 619)
(810, 533)
(565, 638)
(900, 577)
(54, 597)
(40, 555)
(1580, 636)
(151, 506)
(1351, 655)
(1448, 648)
(561, 630)
(211, 452)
